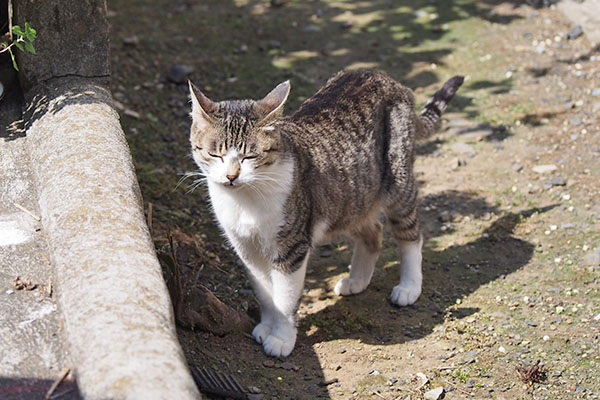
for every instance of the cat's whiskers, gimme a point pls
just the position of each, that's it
(256, 190)
(194, 185)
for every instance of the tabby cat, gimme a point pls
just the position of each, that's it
(280, 185)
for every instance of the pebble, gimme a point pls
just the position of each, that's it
(458, 162)
(574, 33)
(288, 366)
(542, 169)
(434, 394)
(469, 383)
(269, 363)
(517, 167)
(311, 29)
(469, 357)
(254, 390)
(178, 73)
(592, 258)
(557, 181)
(596, 92)
(502, 350)
(131, 40)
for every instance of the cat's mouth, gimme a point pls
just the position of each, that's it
(232, 185)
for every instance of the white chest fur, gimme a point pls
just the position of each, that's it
(251, 217)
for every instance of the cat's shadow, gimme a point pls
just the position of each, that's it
(449, 274)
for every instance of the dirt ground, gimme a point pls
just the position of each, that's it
(510, 197)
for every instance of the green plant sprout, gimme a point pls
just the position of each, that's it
(21, 39)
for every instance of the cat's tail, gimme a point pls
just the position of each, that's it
(430, 116)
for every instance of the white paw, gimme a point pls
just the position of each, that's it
(405, 294)
(279, 347)
(348, 286)
(262, 331)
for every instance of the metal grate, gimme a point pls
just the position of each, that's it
(212, 382)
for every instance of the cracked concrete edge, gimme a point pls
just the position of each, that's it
(117, 315)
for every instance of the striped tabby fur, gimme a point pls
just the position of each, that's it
(280, 185)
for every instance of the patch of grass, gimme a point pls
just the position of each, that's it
(460, 375)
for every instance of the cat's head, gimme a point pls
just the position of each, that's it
(234, 141)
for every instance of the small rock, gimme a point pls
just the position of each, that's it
(596, 92)
(274, 44)
(557, 181)
(311, 29)
(543, 169)
(343, 350)
(458, 162)
(502, 350)
(574, 33)
(470, 383)
(254, 390)
(347, 24)
(532, 323)
(256, 396)
(278, 3)
(517, 167)
(131, 40)
(287, 366)
(445, 216)
(575, 121)
(469, 357)
(592, 258)
(434, 394)
(178, 73)
(269, 363)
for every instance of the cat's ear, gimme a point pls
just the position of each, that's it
(202, 106)
(272, 104)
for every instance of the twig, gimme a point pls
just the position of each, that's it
(20, 207)
(57, 382)
(378, 395)
(45, 257)
(10, 15)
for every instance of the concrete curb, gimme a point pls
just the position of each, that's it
(117, 315)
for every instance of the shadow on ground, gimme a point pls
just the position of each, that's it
(242, 49)
(30, 388)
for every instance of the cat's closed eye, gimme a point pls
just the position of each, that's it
(216, 156)
(252, 157)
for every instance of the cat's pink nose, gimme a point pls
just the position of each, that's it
(232, 177)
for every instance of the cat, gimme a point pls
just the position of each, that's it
(280, 185)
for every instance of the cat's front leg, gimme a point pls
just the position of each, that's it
(263, 289)
(287, 281)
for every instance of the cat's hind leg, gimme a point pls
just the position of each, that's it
(405, 229)
(367, 246)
